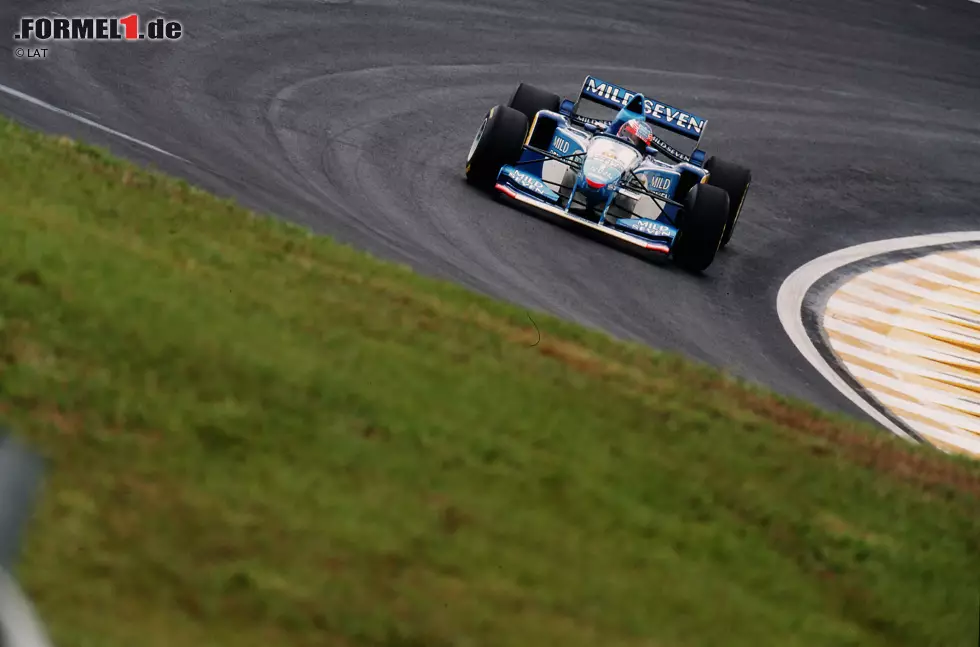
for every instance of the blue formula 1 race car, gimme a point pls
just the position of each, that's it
(597, 161)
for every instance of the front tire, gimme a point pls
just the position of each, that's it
(735, 181)
(529, 100)
(499, 141)
(701, 228)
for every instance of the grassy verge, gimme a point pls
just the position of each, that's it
(260, 437)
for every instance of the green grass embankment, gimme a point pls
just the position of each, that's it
(261, 437)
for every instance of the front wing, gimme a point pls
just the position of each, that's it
(526, 188)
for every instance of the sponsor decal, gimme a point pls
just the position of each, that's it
(648, 227)
(659, 111)
(604, 165)
(670, 150)
(561, 145)
(599, 123)
(660, 184)
(528, 181)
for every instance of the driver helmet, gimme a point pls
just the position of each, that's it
(637, 132)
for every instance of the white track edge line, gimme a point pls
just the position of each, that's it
(17, 94)
(789, 305)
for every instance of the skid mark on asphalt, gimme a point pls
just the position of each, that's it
(909, 333)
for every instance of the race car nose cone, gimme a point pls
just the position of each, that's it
(598, 173)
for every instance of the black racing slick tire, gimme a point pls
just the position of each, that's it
(498, 141)
(529, 100)
(735, 181)
(702, 225)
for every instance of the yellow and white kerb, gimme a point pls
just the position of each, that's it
(909, 333)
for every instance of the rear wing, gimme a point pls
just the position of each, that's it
(596, 91)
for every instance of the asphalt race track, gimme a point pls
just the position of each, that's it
(860, 120)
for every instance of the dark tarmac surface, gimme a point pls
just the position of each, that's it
(860, 120)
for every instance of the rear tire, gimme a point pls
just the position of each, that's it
(735, 181)
(529, 99)
(498, 141)
(701, 228)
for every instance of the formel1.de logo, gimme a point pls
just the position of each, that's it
(97, 28)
